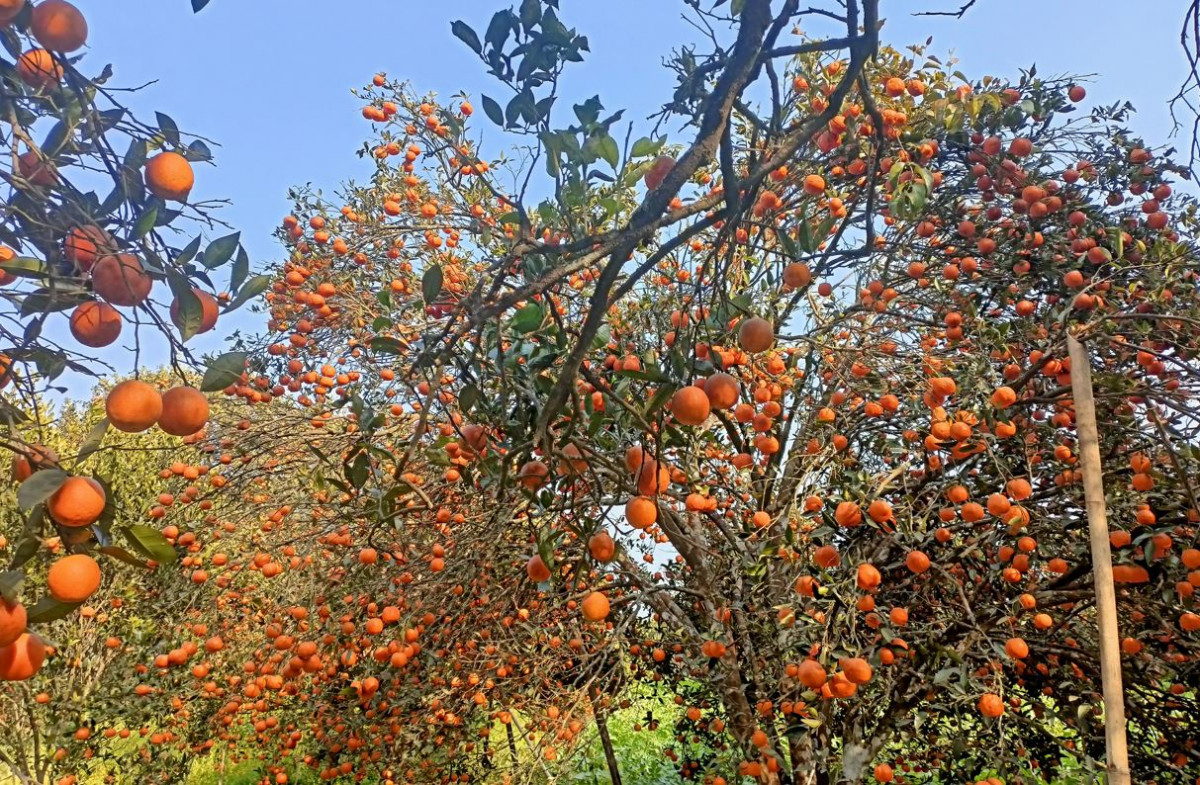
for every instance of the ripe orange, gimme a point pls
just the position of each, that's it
(1016, 648)
(169, 176)
(95, 324)
(756, 335)
(13, 619)
(595, 607)
(133, 406)
(30, 459)
(690, 405)
(22, 658)
(36, 170)
(58, 25)
(797, 275)
(856, 669)
(208, 311)
(84, 243)
(917, 561)
(990, 705)
(722, 391)
(602, 547)
(641, 512)
(185, 411)
(814, 185)
(653, 478)
(537, 570)
(812, 674)
(868, 577)
(1004, 397)
(79, 501)
(73, 578)
(9, 10)
(38, 69)
(121, 279)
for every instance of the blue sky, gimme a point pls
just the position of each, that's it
(270, 80)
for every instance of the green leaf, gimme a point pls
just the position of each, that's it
(493, 110)
(646, 147)
(609, 151)
(123, 555)
(189, 316)
(93, 442)
(40, 486)
(467, 397)
(386, 345)
(48, 609)
(189, 252)
(224, 371)
(10, 584)
(241, 268)
(528, 318)
(463, 32)
(659, 399)
(58, 298)
(150, 541)
(25, 267)
(253, 288)
(27, 548)
(431, 283)
(145, 222)
(221, 250)
(170, 130)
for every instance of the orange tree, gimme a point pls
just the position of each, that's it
(95, 253)
(787, 434)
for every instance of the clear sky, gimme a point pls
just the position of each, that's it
(270, 80)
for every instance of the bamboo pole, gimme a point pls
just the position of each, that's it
(1106, 595)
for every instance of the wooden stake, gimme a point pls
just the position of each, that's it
(1106, 595)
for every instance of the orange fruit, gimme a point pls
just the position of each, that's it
(595, 607)
(185, 411)
(690, 405)
(917, 562)
(22, 658)
(602, 547)
(1016, 648)
(73, 578)
(58, 25)
(79, 501)
(38, 69)
(537, 570)
(208, 311)
(797, 275)
(133, 406)
(856, 669)
(756, 335)
(169, 176)
(121, 280)
(653, 478)
(812, 674)
(31, 458)
(13, 619)
(990, 705)
(722, 391)
(868, 577)
(95, 324)
(641, 512)
(35, 170)
(84, 243)
(9, 10)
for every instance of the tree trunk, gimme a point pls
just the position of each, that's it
(610, 757)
